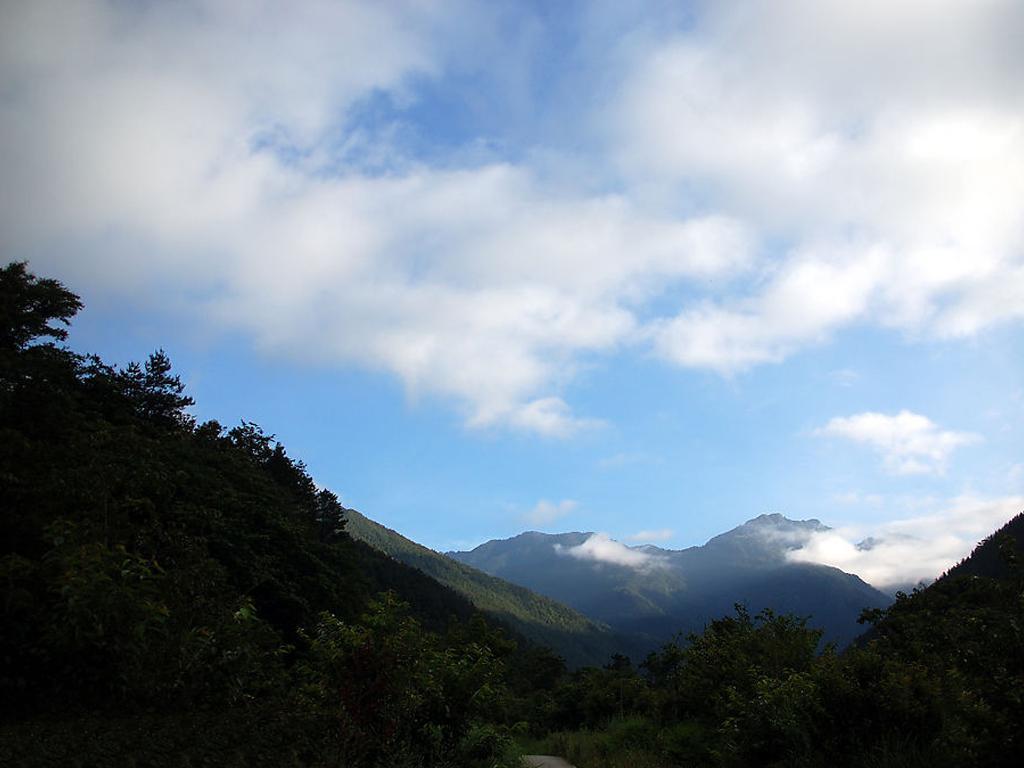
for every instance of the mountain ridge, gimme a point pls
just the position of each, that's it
(657, 592)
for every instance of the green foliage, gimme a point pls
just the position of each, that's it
(686, 742)
(491, 746)
(728, 662)
(390, 689)
(596, 696)
(107, 610)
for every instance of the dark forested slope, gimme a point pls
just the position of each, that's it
(538, 618)
(196, 578)
(994, 557)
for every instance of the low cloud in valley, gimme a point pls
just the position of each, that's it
(903, 552)
(600, 548)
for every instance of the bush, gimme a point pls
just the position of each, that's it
(489, 746)
(685, 743)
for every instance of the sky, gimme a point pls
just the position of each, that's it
(649, 269)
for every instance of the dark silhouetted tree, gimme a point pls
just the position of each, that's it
(157, 395)
(329, 515)
(31, 307)
(251, 440)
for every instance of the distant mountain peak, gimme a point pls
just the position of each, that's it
(778, 520)
(658, 592)
(768, 516)
(772, 534)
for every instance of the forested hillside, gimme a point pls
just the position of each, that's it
(578, 639)
(993, 557)
(181, 593)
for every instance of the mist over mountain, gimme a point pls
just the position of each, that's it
(658, 592)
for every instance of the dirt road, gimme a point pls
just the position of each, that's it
(545, 761)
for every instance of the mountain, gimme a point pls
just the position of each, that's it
(580, 640)
(619, 595)
(658, 592)
(991, 557)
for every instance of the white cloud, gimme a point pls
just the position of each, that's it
(904, 552)
(891, 177)
(661, 534)
(216, 161)
(548, 416)
(808, 299)
(600, 548)
(196, 154)
(909, 442)
(546, 512)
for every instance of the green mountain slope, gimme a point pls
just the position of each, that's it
(538, 618)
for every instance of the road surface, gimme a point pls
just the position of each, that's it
(545, 761)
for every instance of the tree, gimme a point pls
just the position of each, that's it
(31, 307)
(329, 515)
(156, 394)
(250, 438)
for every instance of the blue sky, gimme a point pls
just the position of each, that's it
(496, 266)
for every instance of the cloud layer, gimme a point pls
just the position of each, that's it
(884, 145)
(902, 553)
(910, 444)
(784, 171)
